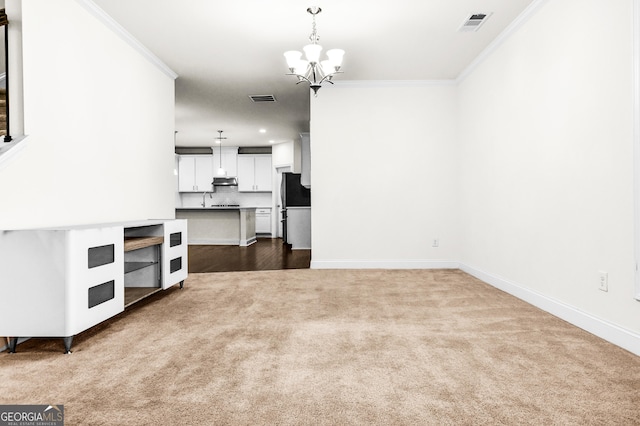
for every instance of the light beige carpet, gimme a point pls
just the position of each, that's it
(304, 347)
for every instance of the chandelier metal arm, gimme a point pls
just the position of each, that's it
(327, 77)
(304, 79)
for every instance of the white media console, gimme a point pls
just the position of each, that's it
(58, 282)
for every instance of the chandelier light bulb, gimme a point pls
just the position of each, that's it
(336, 56)
(292, 57)
(312, 53)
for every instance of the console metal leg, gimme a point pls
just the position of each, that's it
(13, 342)
(67, 344)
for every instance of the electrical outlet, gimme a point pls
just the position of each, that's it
(603, 281)
(436, 243)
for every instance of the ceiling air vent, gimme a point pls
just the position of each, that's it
(262, 98)
(474, 22)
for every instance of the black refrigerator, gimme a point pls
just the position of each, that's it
(293, 194)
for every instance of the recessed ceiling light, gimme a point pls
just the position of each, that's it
(272, 141)
(263, 130)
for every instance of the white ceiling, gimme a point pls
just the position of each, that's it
(223, 51)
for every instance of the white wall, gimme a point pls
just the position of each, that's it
(523, 170)
(547, 159)
(99, 119)
(384, 176)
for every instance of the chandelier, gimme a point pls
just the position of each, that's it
(311, 69)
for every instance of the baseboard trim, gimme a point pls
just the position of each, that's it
(248, 242)
(383, 264)
(213, 242)
(612, 333)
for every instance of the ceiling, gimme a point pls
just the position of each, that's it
(224, 51)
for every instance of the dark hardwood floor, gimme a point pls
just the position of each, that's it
(266, 254)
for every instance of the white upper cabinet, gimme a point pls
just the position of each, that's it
(254, 173)
(195, 173)
(263, 175)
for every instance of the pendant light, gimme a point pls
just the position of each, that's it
(221, 171)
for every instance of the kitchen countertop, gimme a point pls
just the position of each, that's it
(216, 208)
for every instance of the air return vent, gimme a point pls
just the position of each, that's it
(262, 98)
(474, 22)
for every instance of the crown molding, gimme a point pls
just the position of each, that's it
(502, 37)
(125, 35)
(392, 83)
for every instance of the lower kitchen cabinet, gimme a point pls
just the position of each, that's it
(263, 221)
(63, 281)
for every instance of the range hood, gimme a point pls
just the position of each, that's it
(224, 181)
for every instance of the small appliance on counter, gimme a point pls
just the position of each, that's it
(296, 211)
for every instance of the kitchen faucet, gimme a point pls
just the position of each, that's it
(203, 195)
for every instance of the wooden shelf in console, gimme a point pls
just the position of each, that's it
(135, 243)
(135, 294)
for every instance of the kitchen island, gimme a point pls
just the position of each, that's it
(228, 225)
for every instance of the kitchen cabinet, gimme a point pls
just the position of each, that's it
(195, 173)
(254, 173)
(229, 160)
(66, 280)
(263, 221)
